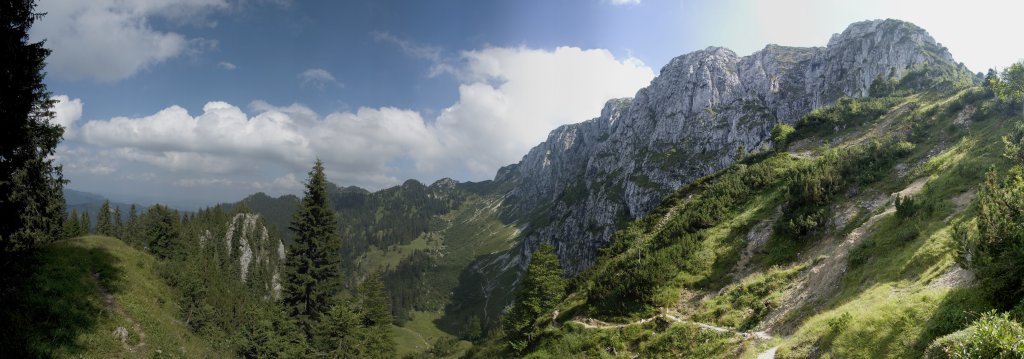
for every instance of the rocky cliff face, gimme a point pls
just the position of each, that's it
(259, 256)
(691, 121)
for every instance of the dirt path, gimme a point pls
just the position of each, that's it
(591, 323)
(803, 155)
(121, 332)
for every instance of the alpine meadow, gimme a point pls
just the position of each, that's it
(511, 179)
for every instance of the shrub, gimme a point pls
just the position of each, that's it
(839, 323)
(991, 336)
(781, 135)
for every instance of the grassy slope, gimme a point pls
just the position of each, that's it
(892, 302)
(464, 234)
(896, 306)
(82, 290)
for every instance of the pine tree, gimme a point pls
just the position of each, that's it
(541, 290)
(162, 231)
(86, 223)
(71, 225)
(103, 219)
(313, 265)
(375, 308)
(31, 185)
(117, 228)
(339, 334)
(131, 230)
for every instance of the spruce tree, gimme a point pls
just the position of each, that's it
(31, 185)
(313, 265)
(375, 308)
(162, 231)
(86, 223)
(71, 225)
(131, 234)
(103, 219)
(541, 290)
(116, 227)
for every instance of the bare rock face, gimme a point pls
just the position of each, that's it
(692, 120)
(259, 256)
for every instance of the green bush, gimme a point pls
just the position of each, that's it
(812, 187)
(991, 336)
(781, 135)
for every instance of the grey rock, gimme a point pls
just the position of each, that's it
(586, 178)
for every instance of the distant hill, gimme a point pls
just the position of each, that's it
(90, 202)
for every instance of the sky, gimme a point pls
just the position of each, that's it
(197, 102)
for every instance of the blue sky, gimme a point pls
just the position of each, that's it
(201, 101)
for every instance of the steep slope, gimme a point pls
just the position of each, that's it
(806, 252)
(704, 110)
(691, 121)
(95, 297)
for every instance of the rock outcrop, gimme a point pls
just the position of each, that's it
(259, 257)
(692, 120)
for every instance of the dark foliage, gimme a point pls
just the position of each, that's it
(31, 184)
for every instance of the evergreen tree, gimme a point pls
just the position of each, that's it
(31, 185)
(71, 225)
(162, 231)
(781, 136)
(1010, 86)
(131, 230)
(339, 334)
(103, 220)
(117, 228)
(995, 249)
(375, 308)
(86, 223)
(313, 265)
(541, 290)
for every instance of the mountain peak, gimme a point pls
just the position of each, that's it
(889, 34)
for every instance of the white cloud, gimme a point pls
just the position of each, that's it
(66, 112)
(512, 97)
(227, 65)
(625, 2)
(410, 48)
(509, 99)
(109, 40)
(317, 78)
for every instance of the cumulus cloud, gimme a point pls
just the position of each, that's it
(512, 97)
(509, 99)
(66, 112)
(317, 78)
(109, 40)
(625, 2)
(227, 65)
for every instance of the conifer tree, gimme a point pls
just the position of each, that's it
(31, 184)
(103, 219)
(116, 227)
(313, 264)
(375, 308)
(71, 225)
(131, 234)
(541, 290)
(86, 223)
(162, 231)
(339, 334)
